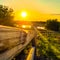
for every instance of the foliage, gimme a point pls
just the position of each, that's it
(6, 16)
(52, 25)
(48, 47)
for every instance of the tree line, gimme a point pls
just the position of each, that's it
(53, 24)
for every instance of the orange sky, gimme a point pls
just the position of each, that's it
(37, 10)
(36, 16)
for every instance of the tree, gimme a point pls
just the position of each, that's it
(6, 16)
(52, 25)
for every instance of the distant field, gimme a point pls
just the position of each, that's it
(49, 33)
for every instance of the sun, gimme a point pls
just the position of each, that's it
(24, 14)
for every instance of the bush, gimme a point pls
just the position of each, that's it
(52, 25)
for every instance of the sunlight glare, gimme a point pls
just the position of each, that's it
(23, 26)
(23, 14)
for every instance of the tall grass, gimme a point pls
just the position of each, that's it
(48, 47)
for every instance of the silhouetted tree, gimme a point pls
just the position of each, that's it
(6, 16)
(52, 25)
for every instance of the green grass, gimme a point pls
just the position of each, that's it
(49, 46)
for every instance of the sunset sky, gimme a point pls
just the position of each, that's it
(37, 10)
